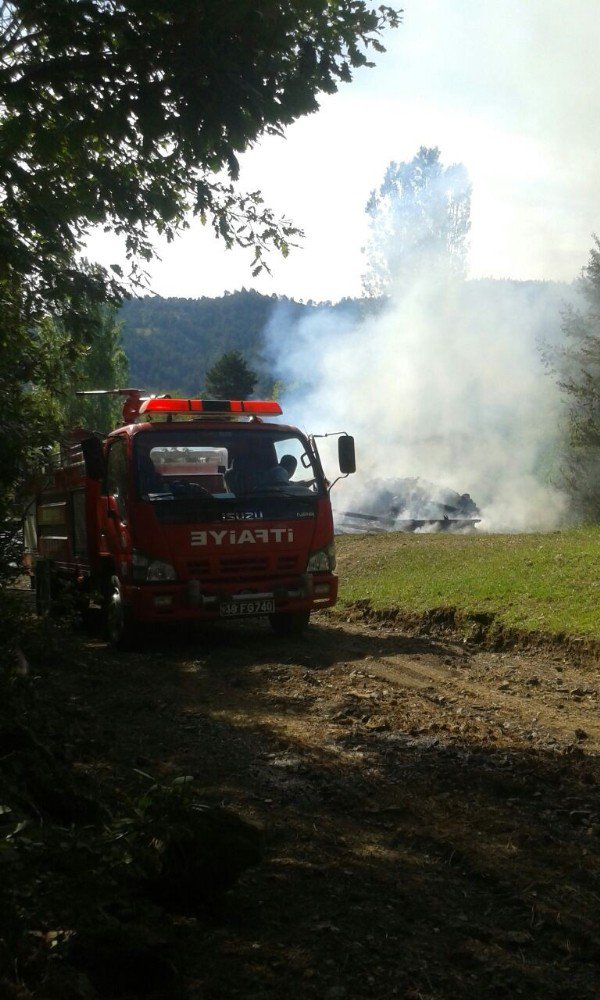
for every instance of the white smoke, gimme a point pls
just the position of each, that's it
(446, 384)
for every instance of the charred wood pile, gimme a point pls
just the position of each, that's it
(408, 505)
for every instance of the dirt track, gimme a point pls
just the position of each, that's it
(431, 813)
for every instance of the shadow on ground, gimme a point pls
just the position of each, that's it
(397, 865)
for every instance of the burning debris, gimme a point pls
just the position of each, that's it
(409, 505)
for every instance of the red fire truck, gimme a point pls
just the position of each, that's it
(192, 510)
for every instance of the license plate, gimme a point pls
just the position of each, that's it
(237, 609)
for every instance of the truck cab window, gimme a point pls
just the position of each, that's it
(214, 466)
(116, 476)
(297, 464)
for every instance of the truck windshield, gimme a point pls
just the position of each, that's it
(224, 464)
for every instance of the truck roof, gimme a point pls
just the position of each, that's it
(240, 426)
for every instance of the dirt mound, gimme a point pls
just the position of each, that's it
(482, 630)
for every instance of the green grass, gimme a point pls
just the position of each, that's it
(546, 583)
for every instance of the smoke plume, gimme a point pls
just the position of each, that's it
(445, 383)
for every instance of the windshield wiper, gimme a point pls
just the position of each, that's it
(277, 491)
(204, 499)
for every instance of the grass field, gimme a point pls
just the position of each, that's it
(546, 583)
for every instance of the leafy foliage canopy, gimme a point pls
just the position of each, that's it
(129, 113)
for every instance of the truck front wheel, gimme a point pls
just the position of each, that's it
(289, 623)
(120, 628)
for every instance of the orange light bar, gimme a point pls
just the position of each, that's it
(264, 407)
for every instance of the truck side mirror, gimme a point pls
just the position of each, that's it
(346, 454)
(93, 458)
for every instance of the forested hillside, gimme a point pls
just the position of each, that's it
(170, 343)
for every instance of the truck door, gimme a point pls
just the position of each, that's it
(116, 526)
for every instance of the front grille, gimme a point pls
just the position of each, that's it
(287, 564)
(197, 570)
(243, 567)
(238, 568)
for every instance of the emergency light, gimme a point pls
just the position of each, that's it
(211, 407)
(136, 404)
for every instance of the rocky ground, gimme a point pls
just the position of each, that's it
(431, 811)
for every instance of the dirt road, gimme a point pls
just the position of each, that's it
(431, 812)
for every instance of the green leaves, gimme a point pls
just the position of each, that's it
(93, 95)
(577, 367)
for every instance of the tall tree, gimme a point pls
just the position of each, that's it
(100, 364)
(40, 370)
(578, 367)
(230, 378)
(131, 114)
(419, 221)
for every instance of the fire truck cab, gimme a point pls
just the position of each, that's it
(192, 510)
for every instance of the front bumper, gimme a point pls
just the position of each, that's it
(194, 601)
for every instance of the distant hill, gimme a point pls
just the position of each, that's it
(171, 342)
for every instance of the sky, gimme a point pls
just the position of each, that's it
(511, 90)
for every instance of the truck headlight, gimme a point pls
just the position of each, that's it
(160, 571)
(145, 569)
(322, 561)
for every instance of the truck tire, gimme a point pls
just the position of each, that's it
(54, 596)
(121, 631)
(289, 623)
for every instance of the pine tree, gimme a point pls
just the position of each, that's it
(230, 378)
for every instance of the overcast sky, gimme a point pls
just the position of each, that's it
(510, 89)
